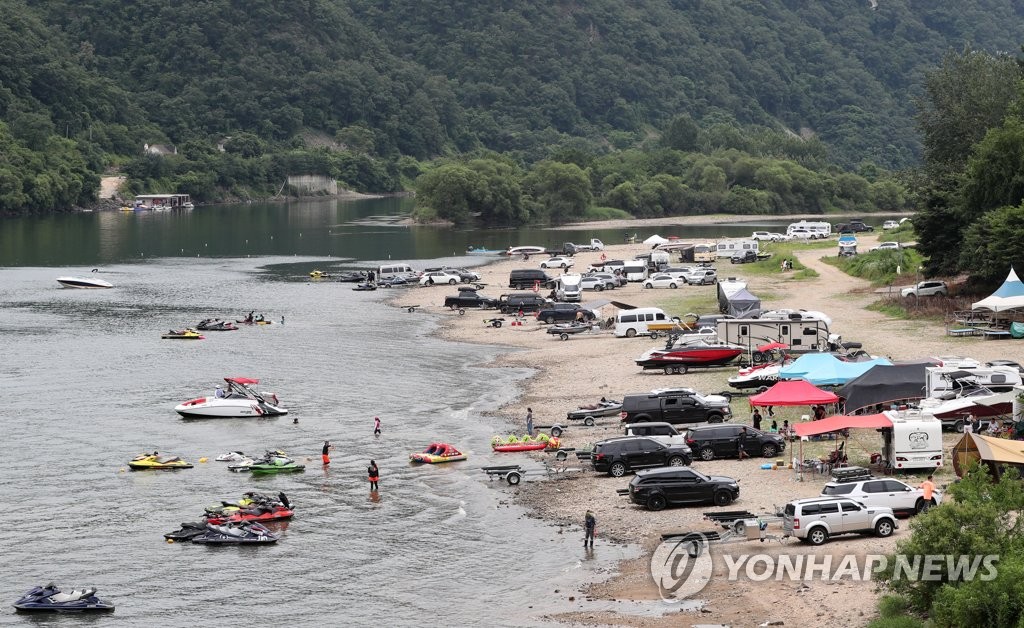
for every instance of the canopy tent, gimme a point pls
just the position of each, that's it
(1009, 296)
(885, 384)
(841, 422)
(655, 240)
(996, 453)
(743, 304)
(793, 393)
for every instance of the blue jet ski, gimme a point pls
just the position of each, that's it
(50, 599)
(242, 533)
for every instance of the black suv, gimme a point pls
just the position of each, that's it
(856, 226)
(722, 441)
(675, 405)
(671, 486)
(563, 312)
(468, 297)
(743, 257)
(527, 302)
(617, 456)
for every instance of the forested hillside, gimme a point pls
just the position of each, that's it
(385, 85)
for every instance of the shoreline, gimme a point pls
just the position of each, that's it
(586, 367)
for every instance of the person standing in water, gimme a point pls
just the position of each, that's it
(529, 421)
(326, 452)
(374, 475)
(590, 528)
(376, 426)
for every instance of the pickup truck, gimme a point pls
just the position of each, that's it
(855, 226)
(469, 298)
(569, 248)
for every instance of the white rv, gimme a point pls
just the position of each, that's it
(941, 381)
(802, 336)
(728, 248)
(818, 230)
(567, 287)
(913, 442)
(635, 270)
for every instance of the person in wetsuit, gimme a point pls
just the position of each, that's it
(326, 456)
(373, 473)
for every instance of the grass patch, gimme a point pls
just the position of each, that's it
(889, 308)
(781, 251)
(930, 308)
(606, 213)
(893, 610)
(879, 267)
(703, 302)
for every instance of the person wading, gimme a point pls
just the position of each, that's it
(589, 528)
(373, 473)
(326, 455)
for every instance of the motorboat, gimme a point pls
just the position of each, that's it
(587, 413)
(525, 250)
(83, 282)
(50, 599)
(184, 334)
(239, 400)
(482, 251)
(154, 461)
(758, 376)
(679, 358)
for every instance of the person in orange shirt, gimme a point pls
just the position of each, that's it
(928, 487)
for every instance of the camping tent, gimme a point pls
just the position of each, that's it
(655, 240)
(794, 393)
(726, 289)
(742, 304)
(1009, 296)
(885, 384)
(996, 453)
(833, 372)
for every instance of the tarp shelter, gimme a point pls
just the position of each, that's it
(743, 304)
(836, 372)
(726, 289)
(885, 384)
(841, 422)
(1009, 296)
(998, 454)
(793, 393)
(655, 240)
(807, 363)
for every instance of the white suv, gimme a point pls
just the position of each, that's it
(901, 497)
(926, 289)
(814, 520)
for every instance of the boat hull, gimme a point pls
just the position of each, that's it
(213, 408)
(692, 357)
(78, 282)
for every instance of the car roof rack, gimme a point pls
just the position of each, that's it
(851, 474)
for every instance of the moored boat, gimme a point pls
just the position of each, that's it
(238, 400)
(83, 282)
(483, 251)
(679, 359)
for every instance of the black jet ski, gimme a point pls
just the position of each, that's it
(187, 532)
(352, 277)
(242, 533)
(365, 286)
(50, 599)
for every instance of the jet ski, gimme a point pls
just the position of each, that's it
(232, 456)
(240, 400)
(252, 506)
(154, 460)
(352, 276)
(362, 287)
(276, 464)
(216, 324)
(184, 334)
(50, 599)
(187, 532)
(318, 274)
(236, 534)
(257, 321)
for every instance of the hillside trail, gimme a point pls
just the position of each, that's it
(845, 299)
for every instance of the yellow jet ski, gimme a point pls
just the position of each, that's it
(184, 334)
(143, 462)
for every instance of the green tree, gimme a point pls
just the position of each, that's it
(561, 190)
(681, 134)
(453, 191)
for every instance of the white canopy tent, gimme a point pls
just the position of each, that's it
(656, 239)
(1009, 296)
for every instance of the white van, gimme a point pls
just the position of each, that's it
(395, 270)
(913, 442)
(635, 270)
(567, 288)
(728, 248)
(818, 230)
(630, 323)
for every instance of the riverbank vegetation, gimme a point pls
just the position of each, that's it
(654, 109)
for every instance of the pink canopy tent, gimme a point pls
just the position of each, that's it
(793, 393)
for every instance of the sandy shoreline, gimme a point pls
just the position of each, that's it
(587, 367)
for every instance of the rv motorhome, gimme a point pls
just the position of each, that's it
(802, 336)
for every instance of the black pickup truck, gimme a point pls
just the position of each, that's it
(468, 297)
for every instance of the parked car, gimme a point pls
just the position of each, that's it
(723, 441)
(676, 406)
(890, 224)
(620, 455)
(701, 276)
(466, 274)
(743, 257)
(660, 431)
(802, 234)
(857, 226)
(780, 237)
(592, 282)
(558, 262)
(467, 298)
(815, 519)
(617, 280)
(763, 236)
(525, 302)
(887, 246)
(563, 313)
(439, 277)
(926, 289)
(902, 498)
(528, 278)
(662, 280)
(671, 486)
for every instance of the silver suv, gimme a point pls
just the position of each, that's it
(815, 519)
(926, 289)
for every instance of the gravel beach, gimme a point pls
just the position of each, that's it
(591, 365)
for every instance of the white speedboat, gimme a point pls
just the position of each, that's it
(83, 282)
(239, 400)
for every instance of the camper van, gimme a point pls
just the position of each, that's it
(567, 287)
(817, 230)
(913, 442)
(630, 323)
(704, 252)
(802, 336)
(728, 248)
(635, 270)
(386, 271)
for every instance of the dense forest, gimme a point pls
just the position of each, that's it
(375, 93)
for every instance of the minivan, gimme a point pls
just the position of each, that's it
(630, 323)
(528, 278)
(395, 270)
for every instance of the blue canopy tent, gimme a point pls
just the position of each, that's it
(824, 369)
(1009, 296)
(805, 364)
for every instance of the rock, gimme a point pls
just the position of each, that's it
(775, 622)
